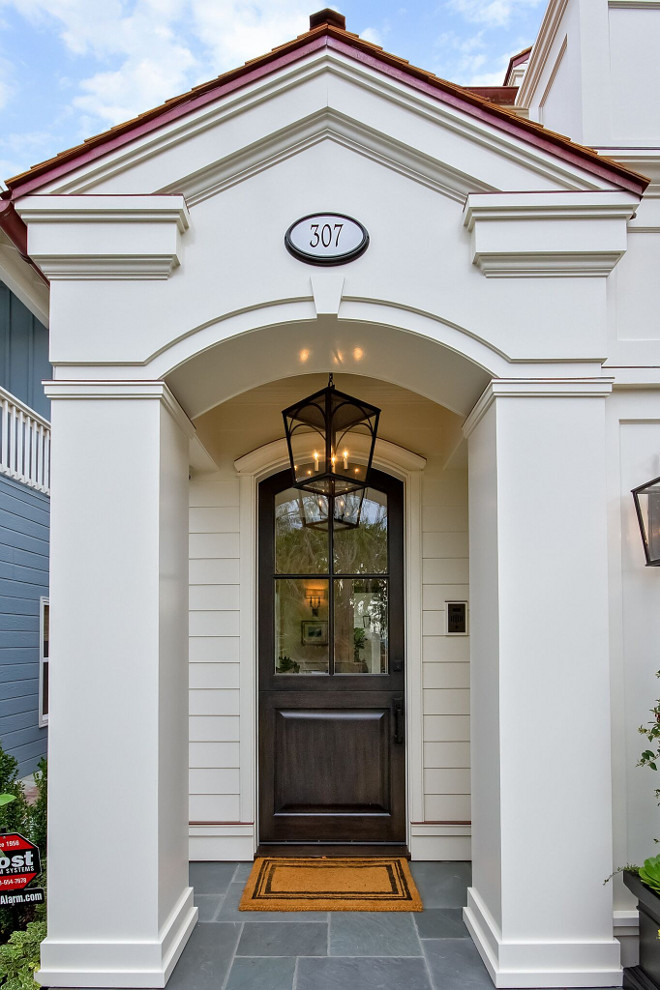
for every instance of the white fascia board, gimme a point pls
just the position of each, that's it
(105, 237)
(548, 234)
(23, 281)
(259, 148)
(541, 52)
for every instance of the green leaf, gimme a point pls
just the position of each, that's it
(6, 799)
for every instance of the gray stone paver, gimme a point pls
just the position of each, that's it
(268, 950)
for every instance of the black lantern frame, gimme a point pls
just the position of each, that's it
(321, 431)
(647, 506)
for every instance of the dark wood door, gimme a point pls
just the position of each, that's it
(331, 657)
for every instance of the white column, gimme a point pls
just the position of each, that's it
(120, 907)
(542, 815)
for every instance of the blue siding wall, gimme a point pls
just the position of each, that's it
(24, 535)
(23, 353)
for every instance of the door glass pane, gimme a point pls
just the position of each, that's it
(299, 549)
(361, 626)
(364, 550)
(301, 626)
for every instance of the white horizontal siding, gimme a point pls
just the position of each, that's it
(214, 675)
(214, 648)
(446, 675)
(447, 807)
(214, 808)
(446, 754)
(221, 755)
(446, 728)
(214, 728)
(446, 668)
(214, 781)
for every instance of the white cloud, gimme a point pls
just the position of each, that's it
(492, 13)
(20, 150)
(234, 32)
(151, 50)
(372, 35)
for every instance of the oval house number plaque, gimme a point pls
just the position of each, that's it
(326, 239)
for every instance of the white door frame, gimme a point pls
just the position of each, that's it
(253, 468)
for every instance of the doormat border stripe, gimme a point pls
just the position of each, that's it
(397, 892)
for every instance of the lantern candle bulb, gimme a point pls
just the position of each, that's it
(316, 460)
(345, 456)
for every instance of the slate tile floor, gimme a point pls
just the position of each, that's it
(232, 950)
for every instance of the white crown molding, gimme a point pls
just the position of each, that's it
(327, 125)
(324, 123)
(634, 4)
(105, 237)
(138, 390)
(595, 264)
(536, 388)
(389, 456)
(548, 234)
(107, 267)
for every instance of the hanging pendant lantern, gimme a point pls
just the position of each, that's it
(324, 432)
(647, 504)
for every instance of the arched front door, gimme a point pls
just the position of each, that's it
(331, 656)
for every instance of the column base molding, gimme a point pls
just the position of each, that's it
(138, 964)
(440, 842)
(540, 964)
(222, 843)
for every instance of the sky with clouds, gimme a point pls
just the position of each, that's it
(72, 68)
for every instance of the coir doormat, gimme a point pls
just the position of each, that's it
(330, 885)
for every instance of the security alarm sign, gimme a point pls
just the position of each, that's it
(19, 862)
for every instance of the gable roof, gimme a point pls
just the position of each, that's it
(327, 31)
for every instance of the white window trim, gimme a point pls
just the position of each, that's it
(43, 660)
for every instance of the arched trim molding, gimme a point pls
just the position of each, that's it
(251, 469)
(390, 457)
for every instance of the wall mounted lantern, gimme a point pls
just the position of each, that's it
(647, 504)
(321, 434)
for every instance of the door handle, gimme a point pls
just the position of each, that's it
(399, 719)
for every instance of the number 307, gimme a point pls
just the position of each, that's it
(324, 234)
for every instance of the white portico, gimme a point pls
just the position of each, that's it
(481, 319)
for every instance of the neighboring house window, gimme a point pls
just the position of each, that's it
(44, 654)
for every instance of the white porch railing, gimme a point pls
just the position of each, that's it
(24, 443)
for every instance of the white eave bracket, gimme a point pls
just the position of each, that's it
(105, 237)
(548, 234)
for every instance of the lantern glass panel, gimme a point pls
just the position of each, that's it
(647, 502)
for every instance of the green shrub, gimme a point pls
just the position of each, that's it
(19, 958)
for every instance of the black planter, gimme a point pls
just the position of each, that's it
(646, 976)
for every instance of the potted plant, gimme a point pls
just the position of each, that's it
(644, 882)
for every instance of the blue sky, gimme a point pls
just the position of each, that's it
(72, 68)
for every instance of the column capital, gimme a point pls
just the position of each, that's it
(133, 390)
(536, 388)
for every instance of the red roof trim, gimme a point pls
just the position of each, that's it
(352, 47)
(16, 230)
(517, 60)
(505, 96)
